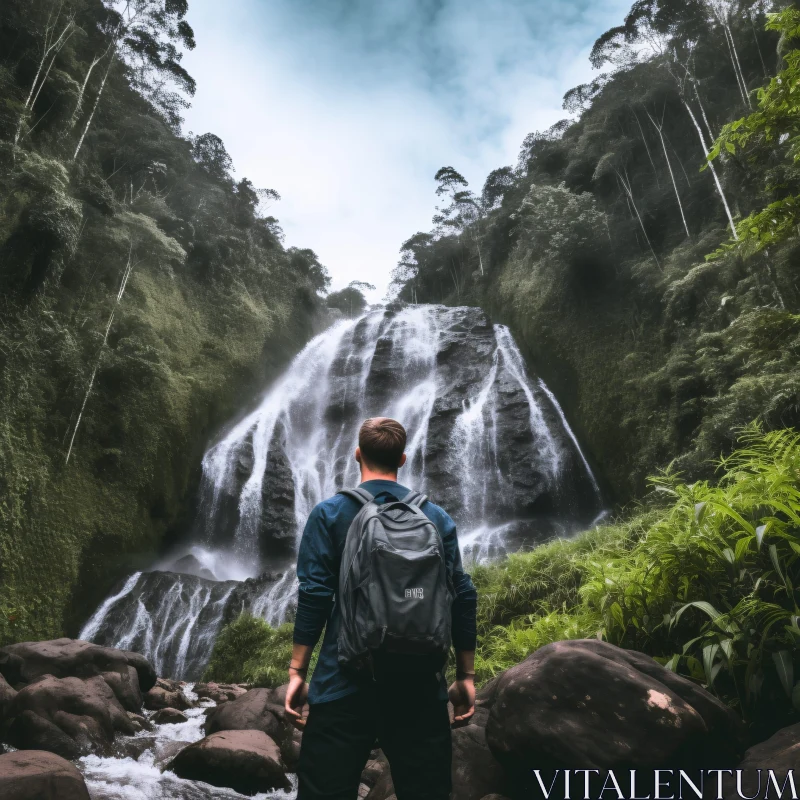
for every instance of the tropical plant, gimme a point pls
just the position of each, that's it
(768, 142)
(704, 580)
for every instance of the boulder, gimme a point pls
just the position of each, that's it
(140, 723)
(7, 695)
(67, 716)
(166, 694)
(590, 703)
(780, 753)
(169, 716)
(255, 711)
(476, 772)
(127, 673)
(37, 775)
(377, 770)
(290, 748)
(219, 692)
(245, 761)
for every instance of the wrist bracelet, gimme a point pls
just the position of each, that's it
(301, 671)
(461, 676)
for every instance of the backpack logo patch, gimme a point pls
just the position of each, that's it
(414, 594)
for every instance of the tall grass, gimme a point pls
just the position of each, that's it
(702, 579)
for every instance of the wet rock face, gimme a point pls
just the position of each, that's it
(426, 366)
(155, 615)
(245, 761)
(38, 775)
(278, 524)
(126, 673)
(67, 716)
(591, 703)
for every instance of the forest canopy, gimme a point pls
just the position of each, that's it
(644, 248)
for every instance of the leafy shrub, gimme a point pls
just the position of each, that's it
(248, 650)
(703, 581)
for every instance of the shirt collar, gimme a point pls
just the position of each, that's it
(375, 487)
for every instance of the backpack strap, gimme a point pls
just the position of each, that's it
(416, 499)
(361, 496)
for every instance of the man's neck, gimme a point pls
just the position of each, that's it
(369, 475)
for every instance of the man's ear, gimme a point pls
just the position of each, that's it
(402, 461)
(358, 454)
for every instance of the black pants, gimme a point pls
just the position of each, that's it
(411, 725)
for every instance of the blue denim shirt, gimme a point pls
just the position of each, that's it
(318, 563)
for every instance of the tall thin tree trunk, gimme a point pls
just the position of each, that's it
(626, 184)
(739, 68)
(47, 73)
(123, 284)
(47, 47)
(478, 248)
(758, 46)
(659, 128)
(679, 159)
(713, 170)
(735, 62)
(94, 107)
(73, 120)
(702, 110)
(646, 147)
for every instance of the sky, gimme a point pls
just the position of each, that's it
(349, 107)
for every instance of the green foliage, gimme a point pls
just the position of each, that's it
(350, 300)
(768, 137)
(704, 580)
(248, 650)
(213, 307)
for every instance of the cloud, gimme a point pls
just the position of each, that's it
(348, 107)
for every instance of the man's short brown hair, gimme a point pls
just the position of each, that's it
(382, 442)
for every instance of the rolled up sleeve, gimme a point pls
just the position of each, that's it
(317, 574)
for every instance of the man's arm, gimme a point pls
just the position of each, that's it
(464, 612)
(316, 574)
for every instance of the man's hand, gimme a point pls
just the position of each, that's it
(296, 697)
(462, 696)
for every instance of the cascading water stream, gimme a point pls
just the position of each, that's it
(486, 441)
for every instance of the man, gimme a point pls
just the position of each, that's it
(404, 709)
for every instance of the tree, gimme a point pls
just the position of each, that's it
(463, 214)
(495, 188)
(208, 150)
(650, 32)
(770, 134)
(145, 35)
(53, 34)
(350, 300)
(659, 126)
(305, 263)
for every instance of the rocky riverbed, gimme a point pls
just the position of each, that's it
(80, 721)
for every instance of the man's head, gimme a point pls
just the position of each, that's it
(381, 446)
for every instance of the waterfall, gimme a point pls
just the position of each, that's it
(486, 440)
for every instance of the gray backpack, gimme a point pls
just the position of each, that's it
(395, 593)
